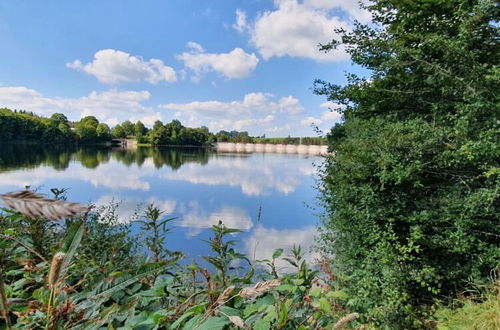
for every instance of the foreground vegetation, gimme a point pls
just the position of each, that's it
(90, 272)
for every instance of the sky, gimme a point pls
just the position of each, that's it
(246, 65)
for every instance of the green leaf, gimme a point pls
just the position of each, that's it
(315, 291)
(339, 294)
(124, 280)
(261, 325)
(277, 253)
(70, 245)
(212, 323)
(181, 319)
(325, 305)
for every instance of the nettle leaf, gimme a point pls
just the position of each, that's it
(214, 323)
(181, 319)
(261, 325)
(339, 294)
(325, 305)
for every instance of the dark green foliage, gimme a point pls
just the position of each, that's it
(174, 133)
(233, 136)
(128, 128)
(140, 132)
(413, 187)
(103, 132)
(118, 132)
(21, 126)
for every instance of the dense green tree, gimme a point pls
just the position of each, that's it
(59, 118)
(89, 120)
(86, 132)
(128, 128)
(118, 132)
(140, 132)
(140, 129)
(103, 132)
(159, 136)
(412, 190)
(233, 136)
(24, 126)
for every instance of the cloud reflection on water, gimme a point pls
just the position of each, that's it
(263, 241)
(252, 174)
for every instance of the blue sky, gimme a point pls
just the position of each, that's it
(227, 64)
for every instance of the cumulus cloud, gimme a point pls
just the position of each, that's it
(110, 106)
(295, 29)
(328, 117)
(114, 66)
(352, 8)
(241, 24)
(253, 109)
(236, 64)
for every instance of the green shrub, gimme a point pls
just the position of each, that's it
(412, 190)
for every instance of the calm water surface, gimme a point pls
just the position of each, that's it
(198, 186)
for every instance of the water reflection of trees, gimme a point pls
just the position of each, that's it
(16, 156)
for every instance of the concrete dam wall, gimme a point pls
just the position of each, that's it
(271, 148)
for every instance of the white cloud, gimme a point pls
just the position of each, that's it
(114, 66)
(352, 8)
(309, 121)
(241, 21)
(279, 129)
(262, 243)
(253, 109)
(296, 29)
(110, 106)
(327, 117)
(236, 64)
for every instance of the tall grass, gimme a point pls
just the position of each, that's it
(479, 313)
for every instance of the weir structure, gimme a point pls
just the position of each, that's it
(301, 149)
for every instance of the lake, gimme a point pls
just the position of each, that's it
(196, 185)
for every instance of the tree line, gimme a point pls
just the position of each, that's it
(27, 126)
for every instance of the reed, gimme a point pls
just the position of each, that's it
(259, 288)
(53, 279)
(237, 321)
(346, 319)
(3, 301)
(33, 205)
(225, 295)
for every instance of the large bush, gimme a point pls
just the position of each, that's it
(412, 190)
